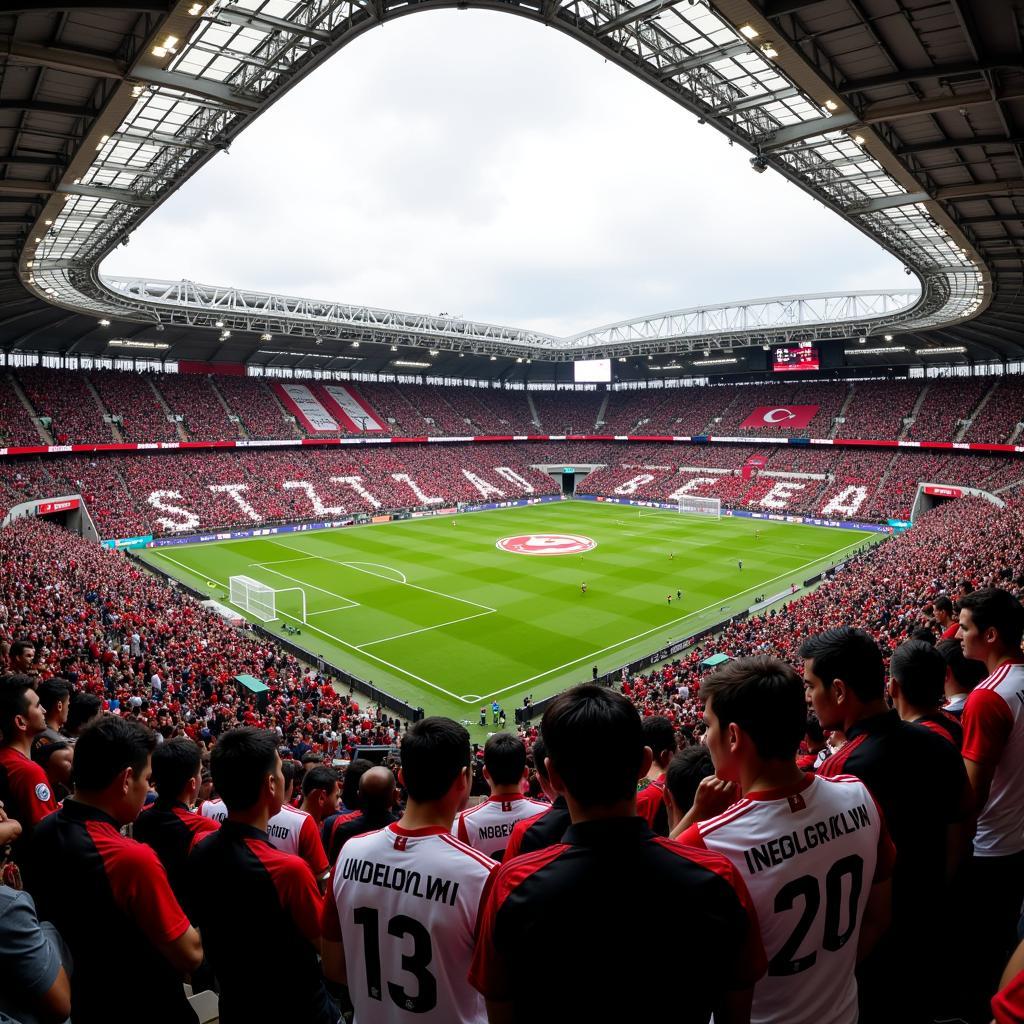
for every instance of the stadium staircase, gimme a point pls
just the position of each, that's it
(599, 421)
(44, 434)
(976, 412)
(1012, 439)
(286, 417)
(179, 426)
(115, 430)
(836, 424)
(534, 418)
(913, 413)
(228, 411)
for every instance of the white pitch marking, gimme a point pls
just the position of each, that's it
(415, 586)
(424, 629)
(336, 639)
(672, 622)
(294, 579)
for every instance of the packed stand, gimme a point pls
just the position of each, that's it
(828, 397)
(564, 412)
(16, 426)
(947, 403)
(131, 396)
(878, 408)
(65, 397)
(812, 805)
(252, 401)
(193, 396)
(1001, 415)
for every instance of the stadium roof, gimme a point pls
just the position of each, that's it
(902, 116)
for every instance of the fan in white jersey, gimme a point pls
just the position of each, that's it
(488, 826)
(815, 853)
(290, 831)
(400, 929)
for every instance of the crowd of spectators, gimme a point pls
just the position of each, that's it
(132, 397)
(149, 671)
(252, 401)
(871, 409)
(947, 403)
(16, 426)
(135, 494)
(877, 409)
(998, 420)
(193, 397)
(63, 395)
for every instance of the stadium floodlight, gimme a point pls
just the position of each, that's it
(768, 49)
(266, 337)
(103, 323)
(218, 323)
(749, 31)
(394, 348)
(759, 163)
(831, 106)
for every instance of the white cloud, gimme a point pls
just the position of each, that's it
(473, 163)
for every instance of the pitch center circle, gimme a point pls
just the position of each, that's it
(546, 544)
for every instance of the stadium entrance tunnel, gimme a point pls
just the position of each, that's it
(67, 510)
(930, 495)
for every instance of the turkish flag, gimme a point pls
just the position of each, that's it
(785, 416)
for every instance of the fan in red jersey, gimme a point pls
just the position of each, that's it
(991, 628)
(487, 827)
(24, 787)
(400, 922)
(815, 853)
(660, 736)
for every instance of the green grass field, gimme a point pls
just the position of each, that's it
(434, 612)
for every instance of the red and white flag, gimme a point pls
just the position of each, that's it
(785, 416)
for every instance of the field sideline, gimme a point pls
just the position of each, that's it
(434, 612)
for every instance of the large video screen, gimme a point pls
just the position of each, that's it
(593, 371)
(789, 359)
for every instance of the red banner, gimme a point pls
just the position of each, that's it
(785, 416)
(944, 492)
(46, 508)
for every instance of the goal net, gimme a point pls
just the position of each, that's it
(694, 506)
(252, 596)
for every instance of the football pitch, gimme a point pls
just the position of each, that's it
(434, 611)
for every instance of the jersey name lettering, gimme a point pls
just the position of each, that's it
(776, 851)
(412, 883)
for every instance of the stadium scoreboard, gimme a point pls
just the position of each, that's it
(795, 359)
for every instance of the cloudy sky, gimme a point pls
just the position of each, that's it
(474, 163)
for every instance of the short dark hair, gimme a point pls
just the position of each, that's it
(21, 645)
(291, 770)
(685, 772)
(350, 783)
(82, 707)
(765, 698)
(174, 764)
(52, 691)
(434, 751)
(966, 671)
(539, 753)
(106, 748)
(13, 701)
(848, 654)
(596, 743)
(319, 777)
(240, 762)
(943, 604)
(921, 673)
(997, 609)
(924, 635)
(505, 758)
(659, 734)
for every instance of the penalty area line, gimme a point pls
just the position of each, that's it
(332, 637)
(424, 629)
(665, 625)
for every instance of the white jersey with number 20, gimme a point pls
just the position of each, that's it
(809, 859)
(408, 903)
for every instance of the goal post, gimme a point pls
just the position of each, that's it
(253, 597)
(693, 505)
